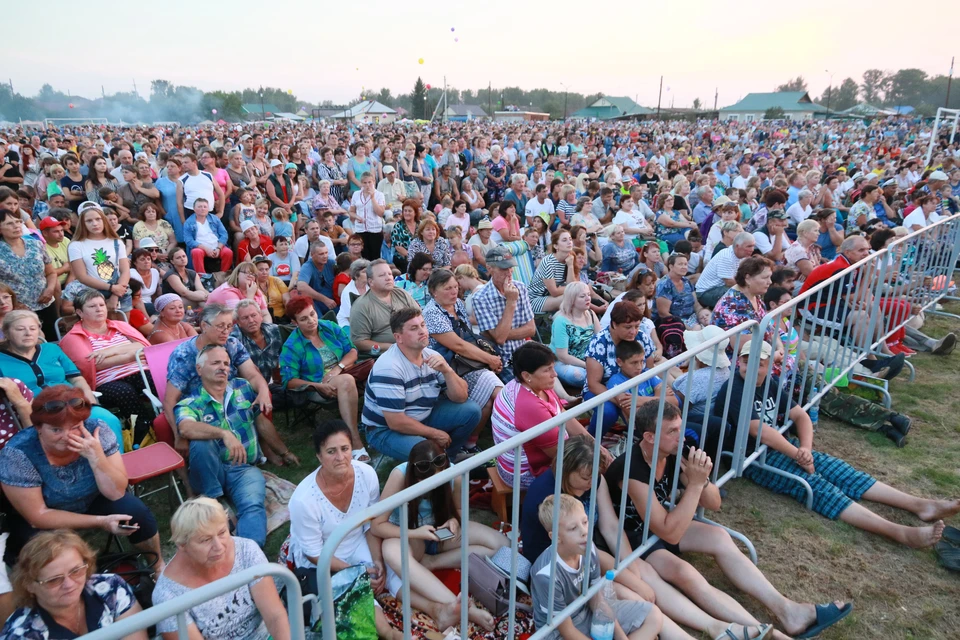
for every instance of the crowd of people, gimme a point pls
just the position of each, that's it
(438, 286)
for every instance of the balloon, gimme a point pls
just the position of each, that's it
(71, 105)
(456, 39)
(452, 29)
(420, 60)
(213, 111)
(428, 86)
(290, 91)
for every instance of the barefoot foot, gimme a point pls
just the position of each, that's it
(481, 617)
(923, 537)
(939, 510)
(448, 615)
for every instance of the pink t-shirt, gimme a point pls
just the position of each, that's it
(516, 410)
(229, 296)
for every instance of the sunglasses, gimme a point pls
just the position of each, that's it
(56, 406)
(423, 466)
(57, 581)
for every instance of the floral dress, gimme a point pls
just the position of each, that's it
(496, 170)
(331, 174)
(25, 275)
(441, 251)
(734, 308)
(401, 236)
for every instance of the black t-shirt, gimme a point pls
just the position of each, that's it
(773, 414)
(73, 186)
(651, 181)
(535, 538)
(640, 471)
(13, 171)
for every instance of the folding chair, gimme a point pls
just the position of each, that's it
(152, 461)
(155, 357)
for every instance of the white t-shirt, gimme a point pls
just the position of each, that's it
(343, 315)
(205, 235)
(367, 221)
(765, 242)
(916, 218)
(313, 518)
(302, 246)
(198, 186)
(722, 267)
(798, 214)
(633, 220)
(534, 208)
(100, 257)
(147, 293)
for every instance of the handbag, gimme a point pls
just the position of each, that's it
(353, 605)
(490, 587)
(462, 365)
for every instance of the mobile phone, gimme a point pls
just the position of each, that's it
(128, 527)
(443, 533)
(686, 451)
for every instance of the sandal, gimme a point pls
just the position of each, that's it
(728, 633)
(361, 455)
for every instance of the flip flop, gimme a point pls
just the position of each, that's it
(728, 633)
(361, 455)
(952, 535)
(948, 555)
(827, 616)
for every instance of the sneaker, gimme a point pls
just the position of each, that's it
(901, 423)
(945, 345)
(899, 347)
(887, 368)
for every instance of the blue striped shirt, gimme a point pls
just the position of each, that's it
(396, 385)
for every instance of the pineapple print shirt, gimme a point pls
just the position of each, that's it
(101, 258)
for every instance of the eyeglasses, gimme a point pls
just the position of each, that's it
(423, 466)
(56, 406)
(57, 581)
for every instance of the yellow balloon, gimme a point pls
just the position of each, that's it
(290, 91)
(420, 60)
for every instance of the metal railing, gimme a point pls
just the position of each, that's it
(181, 604)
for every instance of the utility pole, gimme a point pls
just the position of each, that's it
(946, 105)
(263, 114)
(829, 88)
(659, 95)
(135, 87)
(490, 98)
(716, 94)
(103, 93)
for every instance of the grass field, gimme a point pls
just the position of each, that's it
(898, 592)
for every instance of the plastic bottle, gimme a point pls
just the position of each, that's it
(815, 409)
(603, 623)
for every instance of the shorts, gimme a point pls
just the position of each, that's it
(629, 613)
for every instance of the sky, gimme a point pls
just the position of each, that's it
(333, 50)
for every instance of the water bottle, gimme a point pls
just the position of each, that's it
(603, 623)
(815, 410)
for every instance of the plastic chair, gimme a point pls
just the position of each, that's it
(155, 357)
(152, 461)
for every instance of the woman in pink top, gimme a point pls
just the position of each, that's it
(241, 284)
(208, 159)
(525, 402)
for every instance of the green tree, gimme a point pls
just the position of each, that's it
(697, 104)
(384, 97)
(797, 84)
(842, 97)
(874, 87)
(774, 113)
(419, 100)
(907, 87)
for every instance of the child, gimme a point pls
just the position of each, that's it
(330, 228)
(112, 199)
(631, 361)
(263, 217)
(456, 239)
(243, 210)
(342, 269)
(635, 620)
(284, 264)
(460, 219)
(446, 210)
(122, 231)
(281, 223)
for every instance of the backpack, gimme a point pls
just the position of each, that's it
(670, 332)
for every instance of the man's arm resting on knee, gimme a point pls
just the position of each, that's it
(774, 439)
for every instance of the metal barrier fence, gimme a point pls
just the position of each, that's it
(915, 269)
(181, 604)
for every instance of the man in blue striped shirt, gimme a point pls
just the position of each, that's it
(403, 404)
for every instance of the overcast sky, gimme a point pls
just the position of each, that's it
(330, 50)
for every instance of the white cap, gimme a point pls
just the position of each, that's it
(275, 163)
(246, 224)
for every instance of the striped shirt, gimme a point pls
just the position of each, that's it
(112, 338)
(396, 385)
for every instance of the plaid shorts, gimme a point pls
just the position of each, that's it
(835, 484)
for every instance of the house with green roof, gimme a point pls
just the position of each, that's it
(611, 108)
(796, 105)
(254, 109)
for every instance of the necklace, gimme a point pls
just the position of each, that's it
(327, 482)
(171, 329)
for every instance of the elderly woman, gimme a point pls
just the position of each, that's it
(98, 257)
(60, 595)
(170, 326)
(497, 174)
(672, 224)
(618, 254)
(441, 508)
(326, 200)
(317, 355)
(316, 508)
(430, 240)
(525, 402)
(574, 326)
(414, 281)
(28, 270)
(105, 352)
(744, 302)
(241, 284)
(601, 358)
(554, 272)
(329, 170)
(67, 472)
(206, 552)
(183, 281)
(675, 294)
(804, 254)
(451, 336)
(354, 289)
(801, 209)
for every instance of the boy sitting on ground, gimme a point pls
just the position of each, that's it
(635, 620)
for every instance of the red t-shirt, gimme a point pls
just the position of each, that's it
(341, 279)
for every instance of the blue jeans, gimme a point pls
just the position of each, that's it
(611, 413)
(243, 484)
(459, 419)
(570, 374)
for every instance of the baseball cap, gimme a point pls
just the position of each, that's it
(722, 200)
(89, 204)
(765, 349)
(892, 182)
(484, 224)
(776, 214)
(289, 165)
(246, 224)
(937, 175)
(388, 169)
(275, 163)
(500, 257)
(260, 259)
(50, 222)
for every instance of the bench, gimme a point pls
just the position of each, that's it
(498, 500)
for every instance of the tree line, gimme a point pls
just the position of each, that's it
(891, 89)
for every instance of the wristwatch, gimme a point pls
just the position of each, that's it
(342, 368)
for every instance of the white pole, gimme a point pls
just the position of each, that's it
(933, 137)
